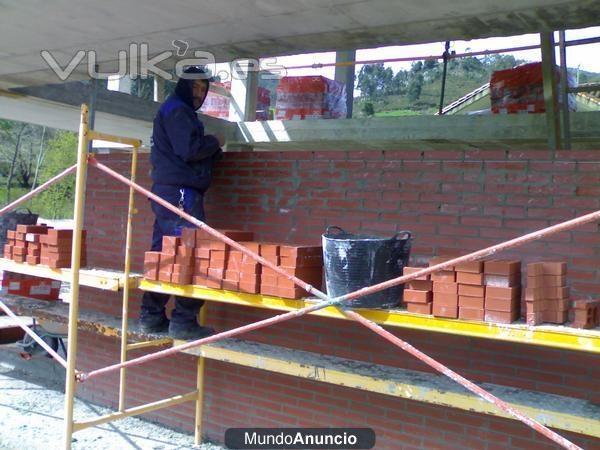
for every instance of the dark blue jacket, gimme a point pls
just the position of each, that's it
(182, 155)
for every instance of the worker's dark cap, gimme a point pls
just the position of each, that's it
(196, 73)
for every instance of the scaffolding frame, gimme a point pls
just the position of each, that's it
(86, 135)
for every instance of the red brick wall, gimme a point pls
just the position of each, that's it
(448, 199)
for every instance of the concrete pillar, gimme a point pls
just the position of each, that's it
(345, 74)
(159, 89)
(550, 89)
(244, 90)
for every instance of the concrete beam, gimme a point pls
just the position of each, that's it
(58, 106)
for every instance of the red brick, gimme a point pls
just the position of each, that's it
(445, 288)
(558, 305)
(535, 318)
(420, 285)
(19, 251)
(249, 287)
(300, 251)
(269, 290)
(216, 273)
(166, 261)
(181, 277)
(415, 296)
(30, 259)
(202, 253)
(164, 276)
(419, 308)
(445, 299)
(170, 244)
(556, 316)
(231, 285)
(471, 302)
(470, 313)
(502, 267)
(269, 249)
(471, 290)
(151, 271)
(501, 316)
(268, 280)
(501, 304)
(475, 279)
(152, 257)
(185, 251)
(441, 310)
(254, 268)
(554, 267)
(503, 292)
(444, 276)
(187, 261)
(471, 267)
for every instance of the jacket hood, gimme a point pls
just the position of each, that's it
(184, 86)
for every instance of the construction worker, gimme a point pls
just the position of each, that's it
(182, 159)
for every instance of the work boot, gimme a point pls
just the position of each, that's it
(154, 323)
(189, 331)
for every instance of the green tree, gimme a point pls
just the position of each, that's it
(415, 87)
(368, 109)
(57, 200)
(375, 80)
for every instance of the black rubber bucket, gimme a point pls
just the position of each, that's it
(10, 220)
(354, 261)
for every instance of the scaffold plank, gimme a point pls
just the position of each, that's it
(96, 278)
(565, 413)
(555, 336)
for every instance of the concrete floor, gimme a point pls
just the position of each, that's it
(31, 412)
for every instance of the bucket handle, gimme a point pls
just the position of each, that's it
(337, 229)
(406, 236)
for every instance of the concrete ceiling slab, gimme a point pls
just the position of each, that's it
(232, 28)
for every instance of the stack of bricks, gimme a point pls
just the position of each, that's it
(198, 258)
(56, 248)
(418, 293)
(40, 244)
(547, 294)
(586, 314)
(471, 290)
(503, 290)
(302, 261)
(23, 244)
(445, 290)
(220, 273)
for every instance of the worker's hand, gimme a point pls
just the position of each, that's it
(221, 138)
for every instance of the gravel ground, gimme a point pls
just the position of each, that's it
(31, 412)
